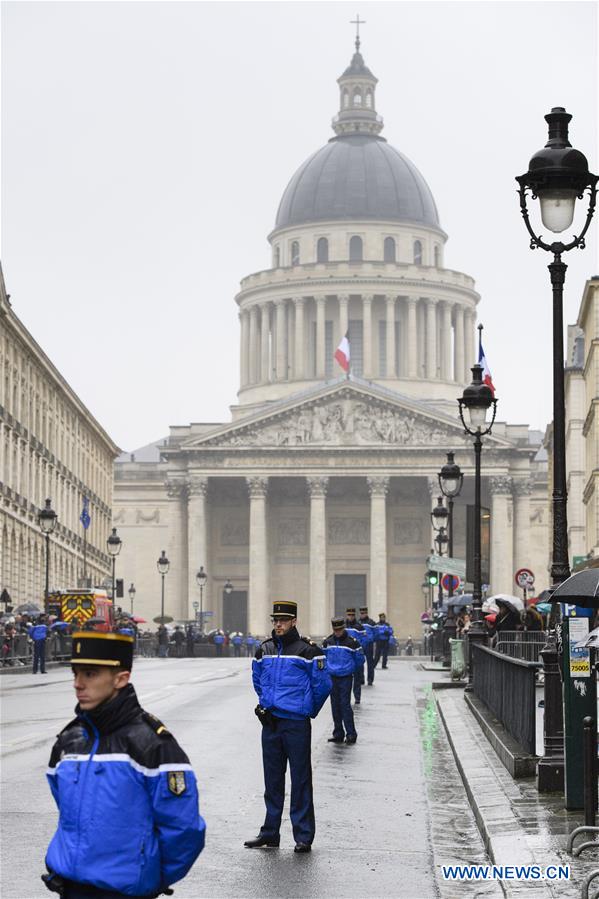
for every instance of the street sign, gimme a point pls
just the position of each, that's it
(206, 614)
(525, 578)
(447, 566)
(450, 581)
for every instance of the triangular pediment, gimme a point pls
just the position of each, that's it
(343, 415)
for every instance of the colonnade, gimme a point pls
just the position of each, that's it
(285, 339)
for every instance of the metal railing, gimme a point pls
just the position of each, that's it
(525, 645)
(506, 686)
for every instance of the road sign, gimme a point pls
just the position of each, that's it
(206, 614)
(447, 566)
(525, 578)
(450, 581)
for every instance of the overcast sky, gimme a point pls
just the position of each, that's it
(145, 148)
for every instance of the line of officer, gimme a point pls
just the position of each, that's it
(344, 658)
(358, 633)
(370, 628)
(292, 683)
(384, 632)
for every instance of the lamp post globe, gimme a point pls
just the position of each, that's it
(163, 566)
(114, 545)
(228, 588)
(439, 515)
(451, 478)
(47, 520)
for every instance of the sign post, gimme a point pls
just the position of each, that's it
(580, 700)
(525, 579)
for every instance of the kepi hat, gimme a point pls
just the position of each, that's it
(350, 611)
(284, 609)
(338, 622)
(363, 608)
(106, 650)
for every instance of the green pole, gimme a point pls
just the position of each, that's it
(580, 700)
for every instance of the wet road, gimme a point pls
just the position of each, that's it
(375, 801)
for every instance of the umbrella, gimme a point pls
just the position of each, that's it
(580, 589)
(59, 624)
(513, 602)
(492, 617)
(28, 608)
(138, 620)
(490, 605)
(590, 641)
(543, 607)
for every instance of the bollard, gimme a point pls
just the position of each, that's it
(589, 726)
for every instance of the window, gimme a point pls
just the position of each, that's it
(345, 99)
(322, 250)
(389, 250)
(355, 249)
(357, 97)
(417, 252)
(437, 256)
(277, 258)
(295, 253)
(369, 99)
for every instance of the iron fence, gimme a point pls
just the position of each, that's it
(524, 645)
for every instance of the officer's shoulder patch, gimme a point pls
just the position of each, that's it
(155, 723)
(320, 663)
(176, 782)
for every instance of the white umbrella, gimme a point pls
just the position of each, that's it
(490, 606)
(514, 602)
(590, 641)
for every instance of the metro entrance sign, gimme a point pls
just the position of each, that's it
(447, 566)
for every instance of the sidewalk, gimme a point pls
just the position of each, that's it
(519, 826)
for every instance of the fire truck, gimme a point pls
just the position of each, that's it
(78, 607)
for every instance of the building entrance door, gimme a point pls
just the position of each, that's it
(350, 591)
(235, 611)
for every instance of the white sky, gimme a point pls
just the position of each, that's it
(145, 148)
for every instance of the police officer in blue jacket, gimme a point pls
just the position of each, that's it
(384, 632)
(39, 633)
(370, 634)
(129, 820)
(356, 631)
(344, 657)
(292, 683)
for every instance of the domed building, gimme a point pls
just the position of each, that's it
(320, 487)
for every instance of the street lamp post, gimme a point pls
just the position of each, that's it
(476, 401)
(163, 566)
(114, 545)
(557, 175)
(201, 580)
(451, 479)
(47, 519)
(132, 591)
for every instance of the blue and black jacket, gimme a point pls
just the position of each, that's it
(384, 632)
(344, 654)
(370, 630)
(356, 630)
(37, 631)
(128, 801)
(290, 676)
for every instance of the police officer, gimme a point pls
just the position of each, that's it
(292, 683)
(39, 633)
(344, 657)
(356, 631)
(237, 640)
(129, 821)
(370, 634)
(384, 632)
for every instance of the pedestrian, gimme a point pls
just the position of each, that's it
(356, 631)
(384, 632)
(533, 620)
(409, 646)
(189, 637)
(344, 657)
(219, 639)
(129, 819)
(370, 630)
(250, 644)
(290, 677)
(237, 640)
(179, 638)
(508, 619)
(162, 635)
(39, 633)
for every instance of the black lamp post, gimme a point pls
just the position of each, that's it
(476, 400)
(201, 580)
(557, 175)
(47, 519)
(451, 479)
(163, 566)
(114, 545)
(132, 591)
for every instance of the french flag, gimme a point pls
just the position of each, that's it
(482, 361)
(342, 353)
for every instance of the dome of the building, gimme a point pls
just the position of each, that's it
(357, 176)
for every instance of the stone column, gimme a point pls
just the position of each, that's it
(470, 344)
(321, 305)
(412, 339)
(254, 345)
(176, 592)
(281, 354)
(458, 345)
(343, 316)
(367, 335)
(378, 488)
(446, 361)
(390, 336)
(197, 540)
(319, 604)
(431, 339)
(522, 494)
(300, 352)
(258, 604)
(502, 558)
(245, 339)
(265, 343)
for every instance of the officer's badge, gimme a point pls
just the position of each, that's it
(320, 663)
(78, 648)
(176, 782)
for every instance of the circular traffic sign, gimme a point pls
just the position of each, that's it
(447, 579)
(525, 578)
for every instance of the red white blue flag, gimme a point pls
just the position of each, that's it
(482, 361)
(342, 353)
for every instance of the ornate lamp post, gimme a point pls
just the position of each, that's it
(201, 580)
(114, 545)
(228, 588)
(163, 566)
(451, 479)
(476, 400)
(557, 175)
(132, 591)
(47, 519)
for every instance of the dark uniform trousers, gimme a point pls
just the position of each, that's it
(358, 680)
(343, 716)
(369, 653)
(382, 651)
(291, 741)
(74, 890)
(39, 656)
